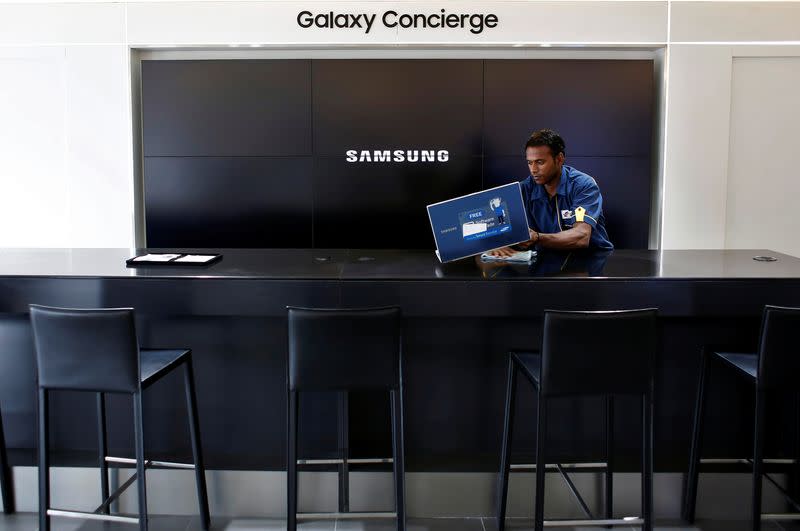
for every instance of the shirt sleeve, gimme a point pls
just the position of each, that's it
(588, 196)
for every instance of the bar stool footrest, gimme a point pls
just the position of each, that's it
(553, 467)
(149, 463)
(93, 516)
(599, 522)
(629, 520)
(780, 516)
(744, 461)
(339, 461)
(329, 516)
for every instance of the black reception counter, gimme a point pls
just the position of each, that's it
(373, 264)
(461, 319)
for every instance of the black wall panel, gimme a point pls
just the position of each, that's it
(383, 206)
(600, 108)
(226, 108)
(253, 153)
(228, 201)
(380, 104)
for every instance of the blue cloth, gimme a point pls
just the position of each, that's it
(556, 214)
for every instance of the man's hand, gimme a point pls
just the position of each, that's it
(502, 252)
(508, 251)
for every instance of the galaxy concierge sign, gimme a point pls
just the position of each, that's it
(476, 23)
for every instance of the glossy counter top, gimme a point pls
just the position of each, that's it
(372, 264)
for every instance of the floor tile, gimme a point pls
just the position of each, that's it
(260, 524)
(526, 524)
(712, 525)
(412, 524)
(17, 522)
(30, 522)
(522, 524)
(787, 525)
(155, 523)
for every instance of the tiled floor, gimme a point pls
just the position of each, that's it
(29, 522)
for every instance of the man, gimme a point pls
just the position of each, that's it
(564, 205)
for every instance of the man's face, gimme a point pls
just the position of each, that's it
(544, 167)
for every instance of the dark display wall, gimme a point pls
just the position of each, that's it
(252, 153)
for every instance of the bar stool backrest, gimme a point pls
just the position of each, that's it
(779, 349)
(608, 352)
(344, 349)
(91, 350)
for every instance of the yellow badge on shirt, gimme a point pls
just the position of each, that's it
(579, 213)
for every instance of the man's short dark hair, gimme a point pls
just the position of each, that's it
(549, 138)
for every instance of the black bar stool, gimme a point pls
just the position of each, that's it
(6, 483)
(774, 368)
(97, 351)
(586, 353)
(345, 350)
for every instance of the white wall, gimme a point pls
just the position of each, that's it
(764, 162)
(708, 99)
(66, 125)
(34, 144)
(66, 176)
(698, 106)
(65, 161)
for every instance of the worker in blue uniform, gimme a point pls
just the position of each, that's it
(564, 205)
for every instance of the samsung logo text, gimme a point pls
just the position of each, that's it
(397, 155)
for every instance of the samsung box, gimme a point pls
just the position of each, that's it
(479, 222)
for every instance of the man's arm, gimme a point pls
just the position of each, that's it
(575, 238)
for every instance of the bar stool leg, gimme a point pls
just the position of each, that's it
(795, 473)
(44, 465)
(505, 455)
(610, 457)
(647, 462)
(291, 462)
(102, 444)
(541, 437)
(690, 494)
(758, 454)
(197, 446)
(398, 452)
(344, 452)
(6, 483)
(140, 468)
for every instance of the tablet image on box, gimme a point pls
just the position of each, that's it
(474, 223)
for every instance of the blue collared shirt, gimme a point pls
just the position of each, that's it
(555, 214)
